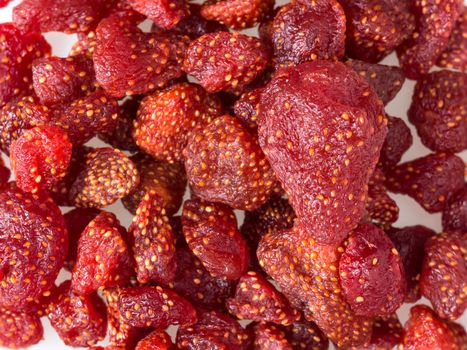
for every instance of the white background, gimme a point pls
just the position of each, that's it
(410, 212)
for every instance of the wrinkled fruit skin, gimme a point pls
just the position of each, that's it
(269, 336)
(164, 13)
(157, 340)
(19, 330)
(438, 111)
(410, 243)
(246, 108)
(455, 212)
(322, 139)
(371, 273)
(225, 164)
(430, 180)
(210, 229)
(306, 335)
(398, 140)
(387, 333)
(34, 245)
(444, 274)
(455, 55)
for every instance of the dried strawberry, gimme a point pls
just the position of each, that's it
(307, 274)
(196, 284)
(376, 27)
(371, 273)
(18, 116)
(4, 172)
(444, 274)
(40, 158)
(154, 307)
(168, 180)
(78, 320)
(306, 335)
(62, 80)
(386, 80)
(455, 212)
(269, 337)
(164, 13)
(103, 257)
(381, 208)
(435, 21)
(107, 176)
(438, 111)
(128, 61)
(459, 333)
(430, 180)
(69, 16)
(424, 330)
(237, 14)
(214, 330)
(247, 108)
(410, 244)
(19, 330)
(455, 54)
(322, 139)
(307, 31)
(225, 61)
(157, 340)
(211, 232)
(398, 141)
(86, 117)
(387, 333)
(225, 164)
(33, 247)
(167, 119)
(154, 243)
(4, 3)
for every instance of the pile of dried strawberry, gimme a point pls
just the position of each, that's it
(289, 127)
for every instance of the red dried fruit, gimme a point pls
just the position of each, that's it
(256, 299)
(76, 221)
(307, 31)
(306, 335)
(322, 139)
(107, 176)
(438, 111)
(62, 80)
(85, 118)
(19, 330)
(460, 334)
(18, 116)
(157, 340)
(211, 232)
(195, 283)
(237, 14)
(247, 108)
(103, 258)
(164, 13)
(269, 337)
(424, 330)
(167, 119)
(376, 27)
(435, 21)
(386, 80)
(214, 330)
(410, 243)
(40, 158)
(168, 180)
(455, 212)
(371, 273)
(4, 173)
(455, 54)
(154, 243)
(444, 274)
(387, 333)
(128, 61)
(430, 180)
(398, 141)
(225, 61)
(78, 320)
(307, 274)
(225, 164)
(381, 208)
(154, 307)
(69, 16)
(4, 3)
(33, 247)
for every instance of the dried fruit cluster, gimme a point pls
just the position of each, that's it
(289, 127)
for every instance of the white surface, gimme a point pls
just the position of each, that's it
(410, 212)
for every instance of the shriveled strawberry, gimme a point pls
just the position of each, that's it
(387, 333)
(167, 119)
(322, 139)
(225, 164)
(247, 108)
(154, 243)
(157, 340)
(269, 336)
(455, 212)
(398, 141)
(430, 180)
(306, 335)
(444, 274)
(165, 13)
(19, 330)
(460, 334)
(455, 54)
(103, 258)
(211, 232)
